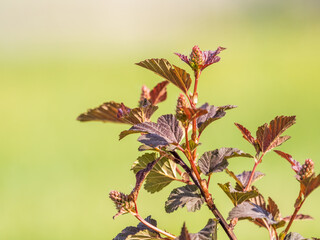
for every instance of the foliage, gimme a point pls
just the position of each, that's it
(179, 133)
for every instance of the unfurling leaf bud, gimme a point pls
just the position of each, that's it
(145, 95)
(306, 170)
(181, 103)
(196, 58)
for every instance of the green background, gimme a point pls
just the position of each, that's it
(59, 58)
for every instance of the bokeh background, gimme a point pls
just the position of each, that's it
(59, 58)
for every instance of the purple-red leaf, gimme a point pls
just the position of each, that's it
(214, 113)
(166, 131)
(269, 136)
(159, 93)
(246, 134)
(295, 165)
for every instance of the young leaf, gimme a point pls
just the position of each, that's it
(106, 112)
(214, 113)
(216, 161)
(173, 74)
(133, 230)
(166, 131)
(309, 184)
(190, 113)
(268, 136)
(247, 135)
(159, 93)
(161, 175)
(209, 232)
(189, 196)
(237, 197)
(295, 165)
(294, 236)
(251, 211)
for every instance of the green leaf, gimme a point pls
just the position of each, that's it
(131, 231)
(189, 196)
(216, 161)
(145, 235)
(248, 210)
(294, 236)
(236, 196)
(161, 175)
(173, 74)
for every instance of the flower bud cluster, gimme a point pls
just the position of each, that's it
(306, 170)
(120, 199)
(196, 58)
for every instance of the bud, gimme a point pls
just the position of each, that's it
(196, 58)
(120, 199)
(306, 170)
(181, 103)
(145, 95)
(123, 111)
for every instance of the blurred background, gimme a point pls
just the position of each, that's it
(59, 58)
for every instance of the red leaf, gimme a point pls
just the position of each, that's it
(296, 166)
(191, 113)
(268, 136)
(246, 134)
(159, 93)
(309, 184)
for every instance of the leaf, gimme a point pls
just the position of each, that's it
(209, 232)
(141, 175)
(145, 235)
(247, 135)
(184, 235)
(133, 230)
(161, 175)
(268, 136)
(237, 197)
(293, 236)
(214, 113)
(309, 184)
(139, 115)
(159, 93)
(295, 165)
(106, 112)
(192, 145)
(298, 217)
(173, 74)
(189, 196)
(251, 211)
(191, 114)
(216, 161)
(166, 131)
(245, 176)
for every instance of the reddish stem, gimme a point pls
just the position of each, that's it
(149, 225)
(252, 172)
(293, 217)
